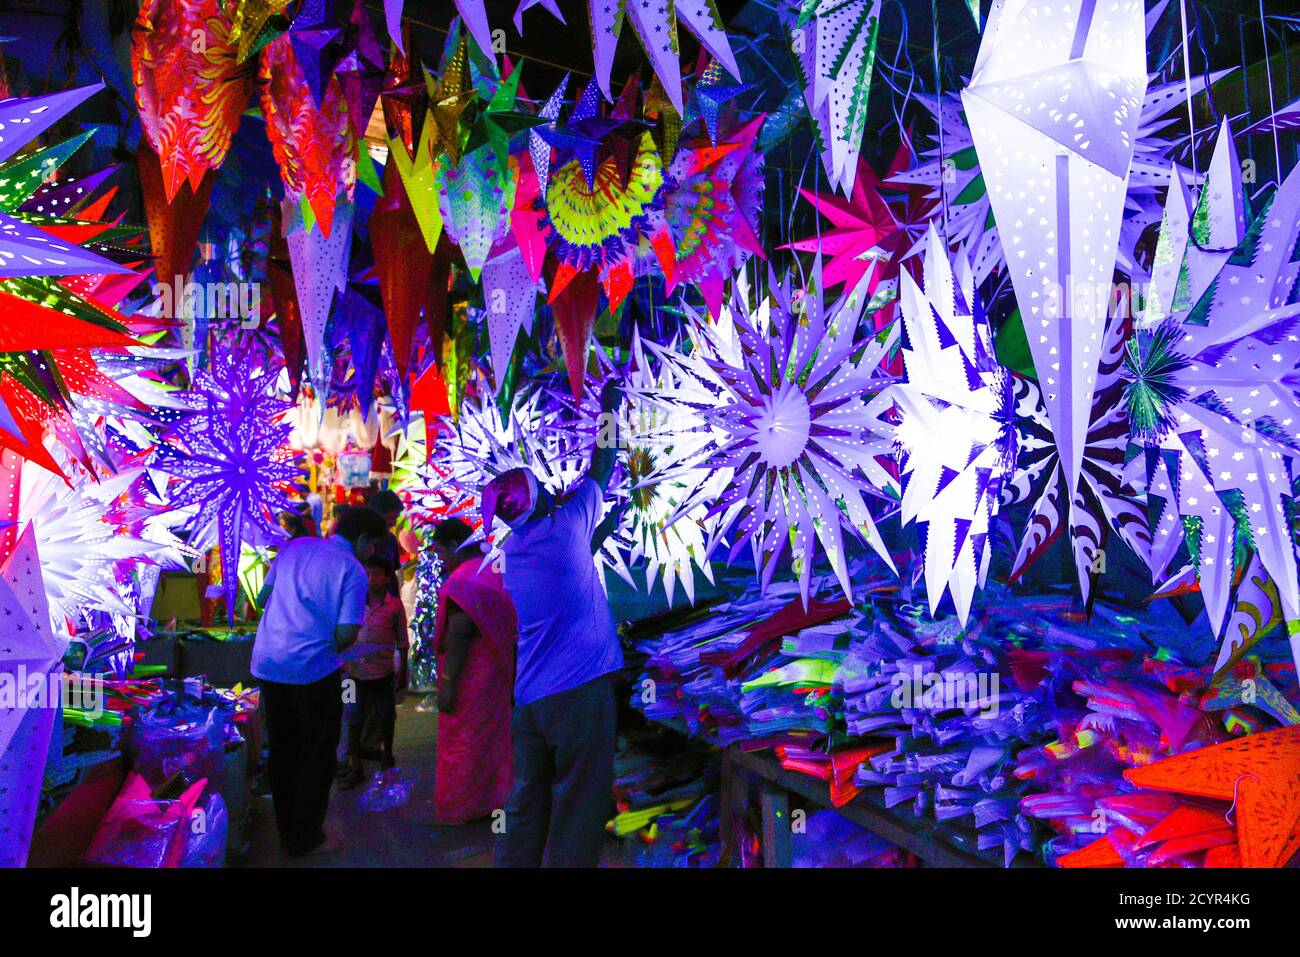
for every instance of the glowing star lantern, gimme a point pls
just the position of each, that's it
(656, 440)
(189, 86)
(232, 460)
(1258, 773)
(313, 145)
(30, 653)
(320, 271)
(403, 264)
(951, 169)
(712, 209)
(956, 433)
(79, 549)
(476, 196)
(1106, 500)
(23, 118)
(1210, 387)
(1054, 108)
(481, 444)
(509, 297)
(835, 44)
(655, 25)
(796, 409)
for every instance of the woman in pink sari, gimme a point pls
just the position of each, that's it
(475, 648)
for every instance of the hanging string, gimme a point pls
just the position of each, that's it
(1227, 815)
(1187, 88)
(1245, 82)
(1272, 109)
(938, 99)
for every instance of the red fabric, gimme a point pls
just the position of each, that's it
(474, 748)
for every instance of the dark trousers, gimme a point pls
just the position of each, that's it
(376, 707)
(302, 729)
(563, 779)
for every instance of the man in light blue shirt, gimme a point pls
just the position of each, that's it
(314, 602)
(564, 719)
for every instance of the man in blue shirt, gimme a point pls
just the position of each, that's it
(564, 719)
(315, 601)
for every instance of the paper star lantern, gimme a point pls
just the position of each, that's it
(539, 146)
(649, 481)
(1209, 383)
(597, 224)
(835, 45)
(30, 645)
(254, 24)
(956, 434)
(79, 549)
(711, 208)
(1258, 773)
(23, 118)
(655, 24)
(320, 270)
(1054, 105)
(954, 174)
(316, 42)
(476, 196)
(313, 144)
(1107, 500)
(481, 444)
(361, 69)
(509, 299)
(189, 86)
(232, 460)
(403, 263)
(796, 409)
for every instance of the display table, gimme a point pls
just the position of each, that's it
(932, 843)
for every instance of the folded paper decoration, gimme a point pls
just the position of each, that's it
(190, 85)
(956, 435)
(30, 658)
(1054, 105)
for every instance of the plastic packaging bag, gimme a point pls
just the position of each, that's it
(388, 789)
(139, 831)
(179, 735)
(209, 827)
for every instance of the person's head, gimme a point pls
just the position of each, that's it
(449, 537)
(513, 497)
(379, 574)
(388, 505)
(293, 523)
(361, 528)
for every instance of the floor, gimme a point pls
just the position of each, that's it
(397, 837)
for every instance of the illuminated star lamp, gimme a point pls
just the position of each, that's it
(711, 205)
(951, 168)
(190, 86)
(32, 646)
(231, 458)
(79, 548)
(956, 435)
(1108, 499)
(653, 440)
(478, 446)
(1210, 387)
(796, 414)
(834, 42)
(1054, 105)
(655, 25)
